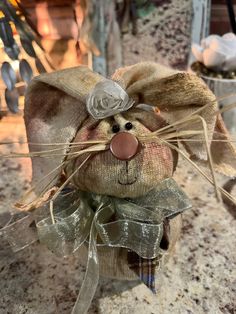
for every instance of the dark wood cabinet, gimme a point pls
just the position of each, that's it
(220, 22)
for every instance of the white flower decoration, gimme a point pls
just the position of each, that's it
(217, 52)
(106, 99)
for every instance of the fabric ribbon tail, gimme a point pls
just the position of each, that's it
(20, 231)
(91, 278)
(145, 269)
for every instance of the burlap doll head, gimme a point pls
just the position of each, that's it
(122, 127)
(55, 112)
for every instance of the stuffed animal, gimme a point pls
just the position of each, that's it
(103, 155)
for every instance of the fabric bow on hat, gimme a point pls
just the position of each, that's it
(106, 99)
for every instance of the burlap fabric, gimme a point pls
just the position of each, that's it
(55, 112)
(106, 174)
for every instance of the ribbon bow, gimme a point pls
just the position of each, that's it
(83, 218)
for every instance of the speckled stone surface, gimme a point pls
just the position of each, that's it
(163, 36)
(199, 278)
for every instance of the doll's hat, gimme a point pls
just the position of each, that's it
(57, 105)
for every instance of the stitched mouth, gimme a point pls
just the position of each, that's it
(128, 182)
(125, 177)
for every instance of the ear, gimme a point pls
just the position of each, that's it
(177, 95)
(54, 110)
(222, 150)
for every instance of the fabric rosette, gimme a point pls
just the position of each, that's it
(106, 99)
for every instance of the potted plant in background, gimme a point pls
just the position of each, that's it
(216, 64)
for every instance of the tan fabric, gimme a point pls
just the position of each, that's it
(178, 94)
(224, 153)
(55, 108)
(55, 112)
(104, 174)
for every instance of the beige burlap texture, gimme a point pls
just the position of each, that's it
(55, 112)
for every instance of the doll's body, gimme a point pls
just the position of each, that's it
(109, 143)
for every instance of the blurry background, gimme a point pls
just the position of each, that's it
(103, 34)
(42, 36)
(219, 23)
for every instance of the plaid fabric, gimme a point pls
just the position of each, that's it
(144, 268)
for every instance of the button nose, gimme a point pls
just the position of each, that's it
(124, 146)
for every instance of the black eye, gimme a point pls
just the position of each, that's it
(129, 126)
(115, 128)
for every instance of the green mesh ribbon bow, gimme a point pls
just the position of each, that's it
(83, 218)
